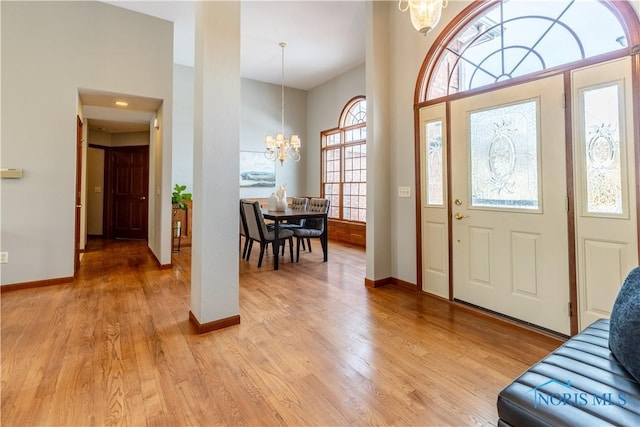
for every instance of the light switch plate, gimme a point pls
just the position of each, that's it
(10, 173)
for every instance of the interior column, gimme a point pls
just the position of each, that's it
(214, 263)
(378, 139)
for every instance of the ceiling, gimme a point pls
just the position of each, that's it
(324, 39)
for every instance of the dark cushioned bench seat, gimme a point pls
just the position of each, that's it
(579, 384)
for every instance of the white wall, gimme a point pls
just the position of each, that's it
(182, 149)
(408, 49)
(50, 50)
(324, 105)
(260, 115)
(99, 138)
(124, 139)
(129, 139)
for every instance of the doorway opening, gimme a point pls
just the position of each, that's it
(117, 174)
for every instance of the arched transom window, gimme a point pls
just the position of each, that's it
(511, 39)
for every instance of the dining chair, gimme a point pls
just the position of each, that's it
(313, 227)
(243, 233)
(297, 203)
(257, 231)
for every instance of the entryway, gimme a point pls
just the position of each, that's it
(511, 233)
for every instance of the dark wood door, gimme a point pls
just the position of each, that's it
(129, 186)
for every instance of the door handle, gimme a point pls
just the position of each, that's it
(459, 216)
(143, 198)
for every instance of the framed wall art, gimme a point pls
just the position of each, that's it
(256, 170)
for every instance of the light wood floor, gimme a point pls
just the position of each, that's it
(314, 347)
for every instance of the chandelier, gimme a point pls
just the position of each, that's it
(281, 147)
(425, 14)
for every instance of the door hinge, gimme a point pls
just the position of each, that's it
(564, 100)
(570, 309)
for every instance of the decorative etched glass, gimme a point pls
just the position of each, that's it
(434, 162)
(602, 149)
(504, 157)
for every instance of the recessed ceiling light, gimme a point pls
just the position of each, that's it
(122, 103)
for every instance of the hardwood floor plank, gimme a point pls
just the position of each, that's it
(314, 348)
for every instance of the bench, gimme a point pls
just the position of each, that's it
(579, 384)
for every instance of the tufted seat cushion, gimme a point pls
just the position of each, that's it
(308, 232)
(579, 384)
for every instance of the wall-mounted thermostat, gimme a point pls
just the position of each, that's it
(10, 173)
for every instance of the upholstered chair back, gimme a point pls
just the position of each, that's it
(256, 228)
(299, 203)
(317, 205)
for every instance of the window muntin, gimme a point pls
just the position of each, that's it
(333, 139)
(518, 38)
(354, 206)
(356, 114)
(344, 164)
(331, 159)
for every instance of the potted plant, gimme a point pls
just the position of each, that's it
(178, 198)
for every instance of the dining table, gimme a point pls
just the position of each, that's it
(291, 214)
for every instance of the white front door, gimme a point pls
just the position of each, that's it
(606, 229)
(509, 203)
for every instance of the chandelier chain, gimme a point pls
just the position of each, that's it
(282, 45)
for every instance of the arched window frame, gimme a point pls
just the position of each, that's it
(343, 163)
(622, 10)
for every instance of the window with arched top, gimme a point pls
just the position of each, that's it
(500, 40)
(354, 113)
(344, 163)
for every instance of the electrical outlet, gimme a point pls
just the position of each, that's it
(4, 257)
(404, 191)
